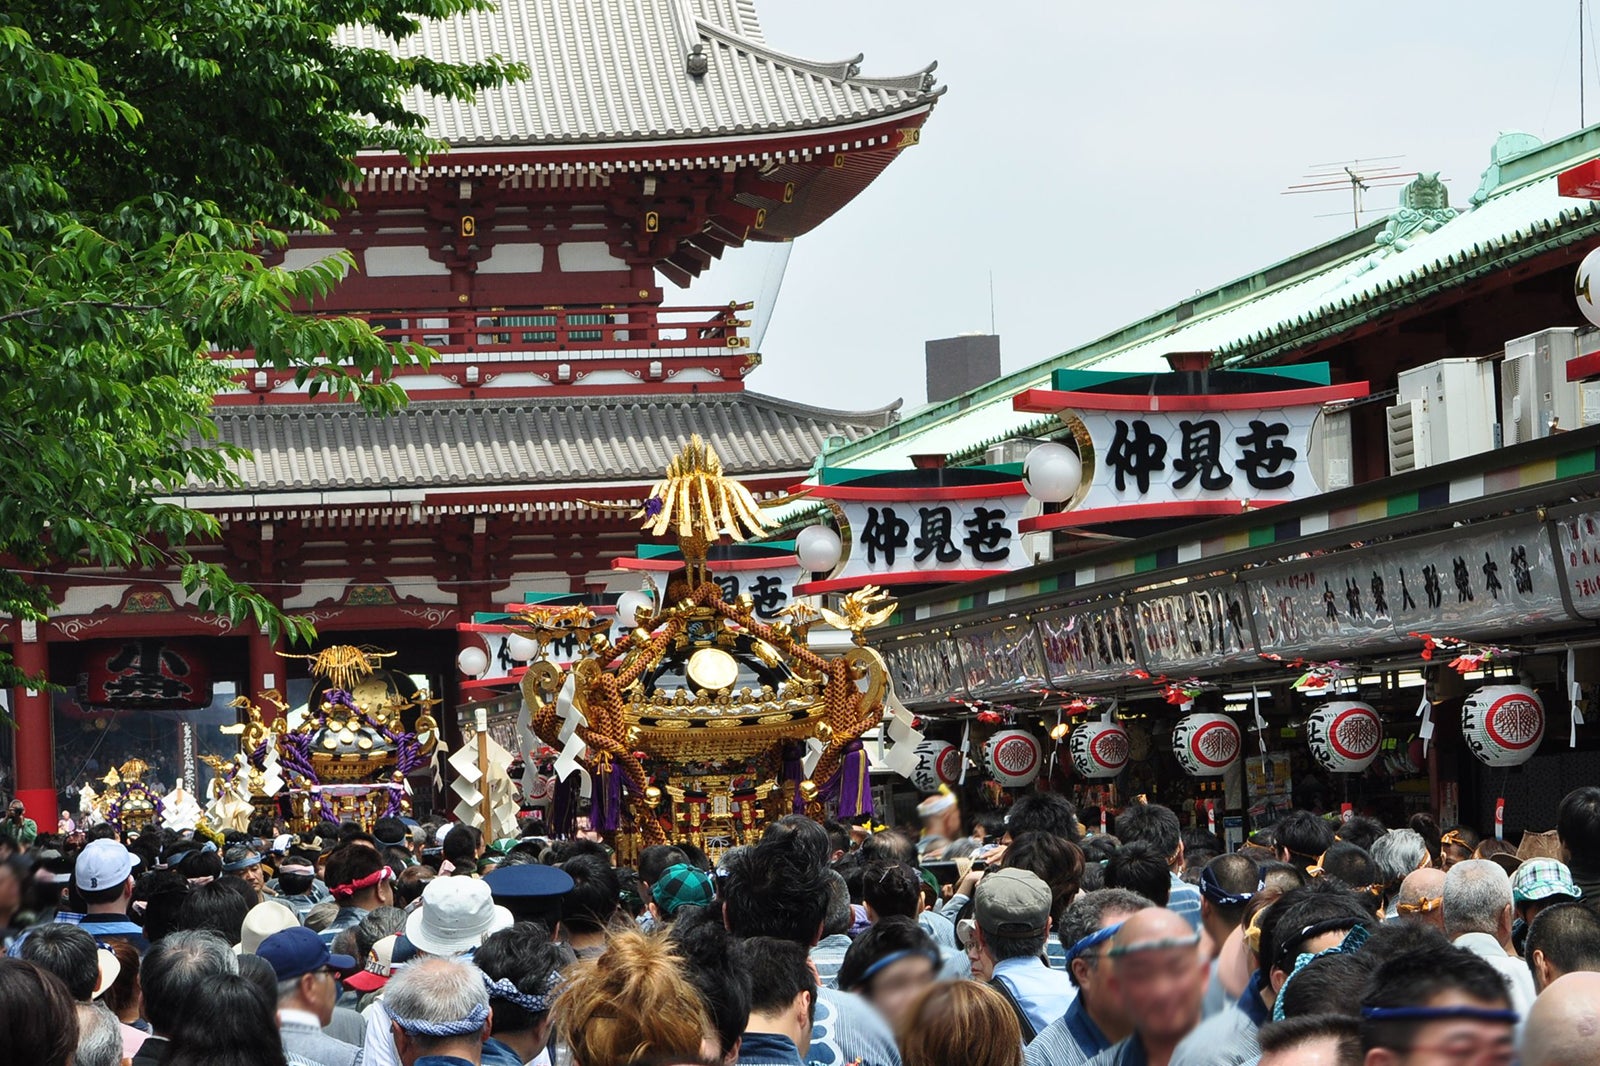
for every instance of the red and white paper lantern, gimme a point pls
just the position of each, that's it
(1344, 736)
(1207, 744)
(1099, 749)
(938, 763)
(1013, 757)
(1503, 724)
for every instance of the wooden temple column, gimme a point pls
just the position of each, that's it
(35, 732)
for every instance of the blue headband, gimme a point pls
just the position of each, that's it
(889, 960)
(1220, 897)
(504, 989)
(1429, 1014)
(1093, 940)
(241, 864)
(177, 859)
(1352, 942)
(471, 1024)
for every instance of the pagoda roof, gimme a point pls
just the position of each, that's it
(1313, 298)
(301, 450)
(619, 71)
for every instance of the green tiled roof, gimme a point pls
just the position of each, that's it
(1517, 215)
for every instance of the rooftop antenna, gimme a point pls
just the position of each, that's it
(1357, 175)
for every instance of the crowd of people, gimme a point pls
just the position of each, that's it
(1012, 939)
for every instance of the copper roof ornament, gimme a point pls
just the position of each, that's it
(700, 685)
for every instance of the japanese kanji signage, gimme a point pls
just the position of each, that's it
(1579, 537)
(1160, 456)
(146, 672)
(1001, 659)
(1459, 582)
(925, 671)
(1154, 453)
(908, 538)
(1088, 644)
(1195, 628)
(769, 590)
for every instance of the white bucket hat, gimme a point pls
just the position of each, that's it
(261, 921)
(456, 914)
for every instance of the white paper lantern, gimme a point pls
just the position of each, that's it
(1586, 287)
(629, 604)
(1206, 744)
(1052, 473)
(521, 648)
(1344, 736)
(1503, 724)
(1013, 757)
(473, 661)
(1099, 749)
(938, 763)
(818, 548)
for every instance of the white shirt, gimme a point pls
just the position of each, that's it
(1516, 972)
(290, 1016)
(378, 1049)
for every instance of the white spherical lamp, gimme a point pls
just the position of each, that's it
(520, 648)
(1052, 473)
(629, 604)
(818, 548)
(1586, 287)
(473, 661)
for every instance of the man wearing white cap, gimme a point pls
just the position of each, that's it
(455, 916)
(103, 877)
(941, 823)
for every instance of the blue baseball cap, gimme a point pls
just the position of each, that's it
(528, 881)
(298, 951)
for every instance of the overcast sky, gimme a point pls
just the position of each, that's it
(1107, 160)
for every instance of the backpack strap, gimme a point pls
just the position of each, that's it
(1028, 1031)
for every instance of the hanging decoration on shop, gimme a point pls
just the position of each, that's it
(1313, 676)
(1575, 700)
(1344, 736)
(1178, 693)
(1464, 656)
(938, 763)
(1503, 724)
(1206, 744)
(1013, 757)
(1099, 749)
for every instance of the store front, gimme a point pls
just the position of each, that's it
(1228, 652)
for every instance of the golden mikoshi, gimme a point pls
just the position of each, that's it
(613, 695)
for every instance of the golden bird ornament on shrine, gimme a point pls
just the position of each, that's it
(864, 609)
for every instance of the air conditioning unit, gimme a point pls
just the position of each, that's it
(1536, 398)
(1445, 410)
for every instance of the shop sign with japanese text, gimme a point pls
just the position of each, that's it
(912, 540)
(925, 671)
(1002, 659)
(1093, 643)
(1461, 582)
(1149, 457)
(1579, 537)
(1237, 442)
(1195, 628)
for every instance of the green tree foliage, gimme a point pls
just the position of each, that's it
(150, 150)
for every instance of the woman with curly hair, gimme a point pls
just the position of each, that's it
(634, 1004)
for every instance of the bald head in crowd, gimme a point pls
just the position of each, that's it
(1563, 1028)
(1421, 897)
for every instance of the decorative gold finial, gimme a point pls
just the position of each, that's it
(701, 503)
(862, 610)
(342, 665)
